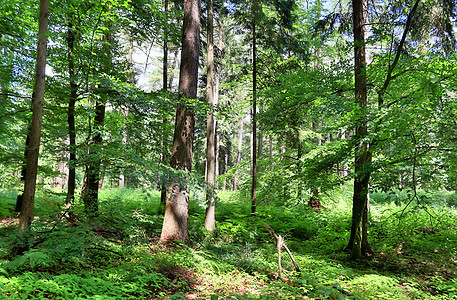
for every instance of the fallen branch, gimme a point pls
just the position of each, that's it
(279, 244)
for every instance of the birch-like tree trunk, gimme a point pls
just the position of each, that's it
(210, 222)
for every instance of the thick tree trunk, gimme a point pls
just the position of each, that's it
(210, 222)
(253, 112)
(90, 197)
(71, 116)
(28, 200)
(358, 242)
(177, 207)
(94, 168)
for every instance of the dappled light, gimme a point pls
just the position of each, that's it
(286, 149)
(121, 253)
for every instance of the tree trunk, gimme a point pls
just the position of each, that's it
(20, 196)
(253, 113)
(218, 151)
(163, 187)
(314, 201)
(210, 222)
(238, 156)
(93, 169)
(90, 197)
(358, 242)
(345, 166)
(71, 116)
(28, 200)
(177, 207)
(173, 67)
(125, 112)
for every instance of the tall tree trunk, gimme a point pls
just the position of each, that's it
(218, 151)
(90, 197)
(28, 200)
(125, 112)
(210, 222)
(253, 112)
(177, 207)
(238, 156)
(358, 242)
(345, 166)
(163, 187)
(71, 115)
(93, 168)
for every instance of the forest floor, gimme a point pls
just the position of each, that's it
(118, 256)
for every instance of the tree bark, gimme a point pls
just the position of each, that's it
(163, 187)
(358, 242)
(71, 115)
(177, 207)
(28, 200)
(93, 168)
(90, 197)
(253, 112)
(210, 222)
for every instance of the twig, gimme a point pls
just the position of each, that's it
(279, 244)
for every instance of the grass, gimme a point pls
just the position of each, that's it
(117, 256)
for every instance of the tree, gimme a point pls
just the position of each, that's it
(93, 167)
(28, 200)
(254, 112)
(358, 242)
(176, 210)
(71, 113)
(210, 129)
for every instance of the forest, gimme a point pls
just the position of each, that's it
(263, 149)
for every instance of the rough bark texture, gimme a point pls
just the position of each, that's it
(253, 114)
(358, 242)
(210, 129)
(90, 197)
(28, 200)
(71, 116)
(176, 210)
(163, 187)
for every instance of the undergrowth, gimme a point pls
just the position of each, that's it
(117, 255)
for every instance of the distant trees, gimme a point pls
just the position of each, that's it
(324, 101)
